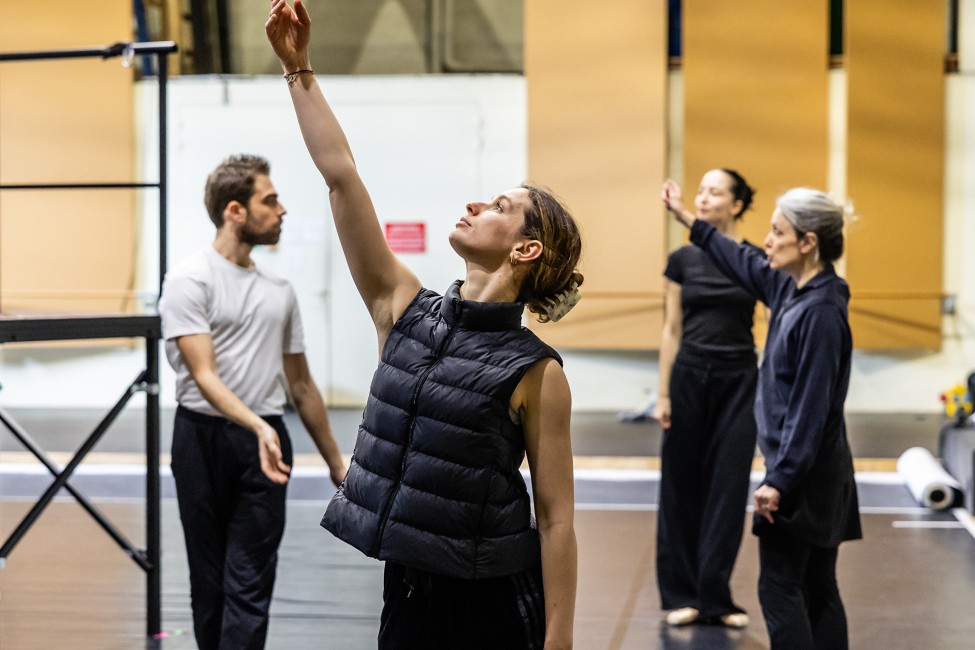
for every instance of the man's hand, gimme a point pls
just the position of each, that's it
(338, 475)
(269, 451)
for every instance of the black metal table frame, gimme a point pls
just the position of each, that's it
(99, 327)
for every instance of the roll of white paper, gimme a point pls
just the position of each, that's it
(929, 483)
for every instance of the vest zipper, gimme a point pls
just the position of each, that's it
(409, 438)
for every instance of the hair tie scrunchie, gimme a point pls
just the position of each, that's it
(559, 305)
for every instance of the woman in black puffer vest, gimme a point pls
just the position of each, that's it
(462, 394)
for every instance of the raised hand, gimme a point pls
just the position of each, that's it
(289, 32)
(671, 196)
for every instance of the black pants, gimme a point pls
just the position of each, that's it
(800, 599)
(233, 520)
(706, 459)
(426, 611)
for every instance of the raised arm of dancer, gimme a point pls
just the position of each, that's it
(741, 263)
(544, 401)
(669, 344)
(386, 285)
(674, 202)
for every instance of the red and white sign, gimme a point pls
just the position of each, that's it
(407, 237)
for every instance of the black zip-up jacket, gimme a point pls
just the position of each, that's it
(802, 386)
(434, 481)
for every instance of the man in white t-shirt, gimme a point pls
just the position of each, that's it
(233, 334)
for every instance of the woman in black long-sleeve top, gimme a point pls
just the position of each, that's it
(807, 503)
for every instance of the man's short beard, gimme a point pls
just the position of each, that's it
(255, 238)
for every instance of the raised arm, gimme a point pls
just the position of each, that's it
(741, 263)
(544, 401)
(386, 285)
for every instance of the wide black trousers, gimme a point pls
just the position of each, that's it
(799, 595)
(233, 520)
(706, 460)
(426, 611)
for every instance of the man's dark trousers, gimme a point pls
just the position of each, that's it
(233, 520)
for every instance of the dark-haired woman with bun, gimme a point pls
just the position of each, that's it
(807, 503)
(705, 405)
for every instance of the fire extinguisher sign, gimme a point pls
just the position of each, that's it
(406, 237)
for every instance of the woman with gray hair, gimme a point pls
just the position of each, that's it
(807, 502)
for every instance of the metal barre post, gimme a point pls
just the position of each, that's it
(162, 66)
(153, 514)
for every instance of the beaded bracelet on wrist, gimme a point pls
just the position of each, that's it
(291, 77)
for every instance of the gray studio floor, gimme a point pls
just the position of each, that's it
(909, 584)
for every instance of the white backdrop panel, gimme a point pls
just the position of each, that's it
(425, 146)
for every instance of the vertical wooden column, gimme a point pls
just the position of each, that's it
(596, 76)
(755, 97)
(894, 61)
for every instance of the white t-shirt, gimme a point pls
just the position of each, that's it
(253, 318)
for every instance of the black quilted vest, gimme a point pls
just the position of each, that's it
(434, 481)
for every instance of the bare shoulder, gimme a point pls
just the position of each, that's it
(544, 384)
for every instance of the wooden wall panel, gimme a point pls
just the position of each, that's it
(66, 121)
(895, 162)
(596, 77)
(755, 97)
